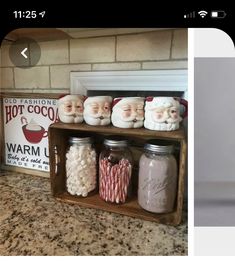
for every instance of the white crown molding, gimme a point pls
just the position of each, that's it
(153, 80)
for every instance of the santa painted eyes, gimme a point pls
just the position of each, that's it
(68, 106)
(173, 112)
(106, 108)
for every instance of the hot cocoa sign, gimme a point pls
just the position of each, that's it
(26, 123)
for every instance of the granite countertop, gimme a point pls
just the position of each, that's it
(32, 222)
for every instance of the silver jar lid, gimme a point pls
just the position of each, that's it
(116, 142)
(80, 140)
(159, 146)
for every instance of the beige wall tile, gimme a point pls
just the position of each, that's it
(54, 52)
(92, 50)
(53, 91)
(35, 77)
(60, 75)
(116, 66)
(5, 59)
(6, 77)
(17, 90)
(181, 64)
(147, 46)
(180, 44)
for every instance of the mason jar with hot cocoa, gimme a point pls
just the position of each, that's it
(157, 177)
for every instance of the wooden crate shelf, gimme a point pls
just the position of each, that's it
(59, 134)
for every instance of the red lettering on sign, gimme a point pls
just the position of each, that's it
(45, 111)
(12, 111)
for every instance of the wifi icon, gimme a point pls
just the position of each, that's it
(202, 13)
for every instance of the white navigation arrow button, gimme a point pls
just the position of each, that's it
(23, 53)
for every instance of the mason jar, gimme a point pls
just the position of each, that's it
(80, 166)
(157, 177)
(115, 169)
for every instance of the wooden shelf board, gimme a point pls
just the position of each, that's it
(143, 132)
(130, 208)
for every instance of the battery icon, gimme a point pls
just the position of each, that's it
(218, 14)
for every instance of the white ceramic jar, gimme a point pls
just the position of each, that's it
(97, 110)
(128, 112)
(163, 113)
(70, 108)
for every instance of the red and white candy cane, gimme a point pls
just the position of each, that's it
(114, 180)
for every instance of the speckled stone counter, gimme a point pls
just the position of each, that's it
(32, 222)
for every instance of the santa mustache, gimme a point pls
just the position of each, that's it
(75, 114)
(99, 116)
(132, 118)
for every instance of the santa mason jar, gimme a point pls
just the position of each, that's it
(115, 168)
(157, 177)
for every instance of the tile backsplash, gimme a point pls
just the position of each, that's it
(159, 49)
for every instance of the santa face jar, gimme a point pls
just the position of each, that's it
(163, 113)
(70, 108)
(128, 112)
(97, 110)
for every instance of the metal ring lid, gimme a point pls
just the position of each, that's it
(116, 141)
(159, 146)
(80, 140)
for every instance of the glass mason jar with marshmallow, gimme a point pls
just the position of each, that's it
(80, 166)
(115, 169)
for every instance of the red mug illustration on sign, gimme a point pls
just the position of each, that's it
(32, 131)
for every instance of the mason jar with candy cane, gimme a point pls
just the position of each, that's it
(115, 169)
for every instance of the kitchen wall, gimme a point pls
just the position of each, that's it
(159, 49)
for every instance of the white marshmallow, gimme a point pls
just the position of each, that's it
(81, 170)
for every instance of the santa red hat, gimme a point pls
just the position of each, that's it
(96, 99)
(122, 100)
